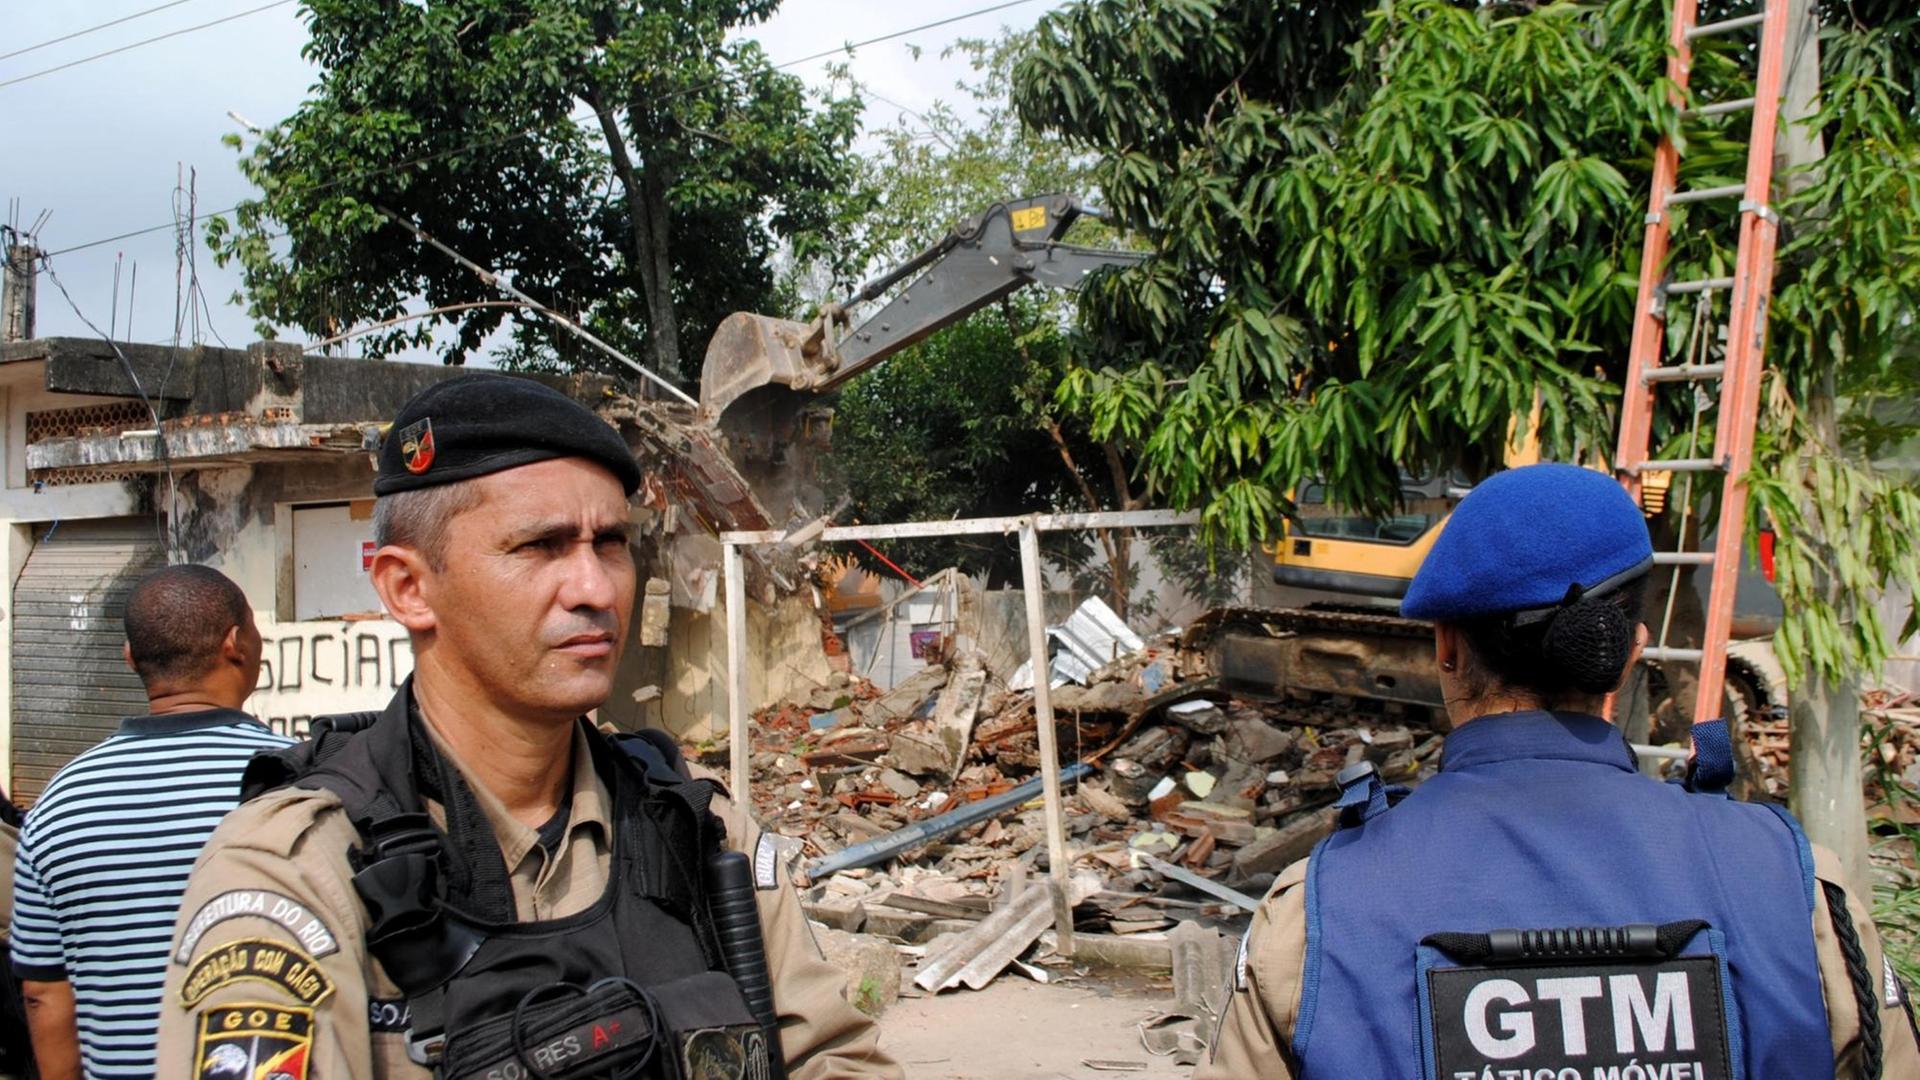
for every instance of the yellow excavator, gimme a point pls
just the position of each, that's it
(1325, 616)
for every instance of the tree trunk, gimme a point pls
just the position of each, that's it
(1825, 789)
(1116, 543)
(648, 229)
(663, 325)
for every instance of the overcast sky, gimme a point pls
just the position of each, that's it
(100, 144)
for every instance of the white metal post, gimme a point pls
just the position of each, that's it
(1036, 591)
(739, 740)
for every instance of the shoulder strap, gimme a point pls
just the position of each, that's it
(657, 752)
(1363, 795)
(272, 769)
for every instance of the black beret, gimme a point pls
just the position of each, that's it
(473, 425)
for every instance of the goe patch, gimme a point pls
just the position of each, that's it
(254, 1042)
(1594, 1021)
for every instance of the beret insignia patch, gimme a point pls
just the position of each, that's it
(253, 1042)
(416, 446)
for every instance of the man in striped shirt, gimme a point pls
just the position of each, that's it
(107, 849)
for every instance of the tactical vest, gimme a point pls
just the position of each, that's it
(635, 985)
(1539, 909)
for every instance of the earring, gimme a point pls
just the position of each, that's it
(1446, 665)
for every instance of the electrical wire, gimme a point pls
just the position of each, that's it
(143, 42)
(160, 432)
(91, 29)
(579, 119)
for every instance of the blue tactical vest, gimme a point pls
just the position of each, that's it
(1539, 821)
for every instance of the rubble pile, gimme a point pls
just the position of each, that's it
(1890, 748)
(1185, 787)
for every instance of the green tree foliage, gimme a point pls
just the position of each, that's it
(965, 424)
(1387, 229)
(628, 164)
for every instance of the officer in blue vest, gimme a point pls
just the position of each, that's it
(1540, 910)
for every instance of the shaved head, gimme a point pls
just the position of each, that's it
(178, 618)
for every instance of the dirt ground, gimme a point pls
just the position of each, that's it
(1017, 1028)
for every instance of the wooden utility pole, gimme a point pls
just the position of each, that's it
(1825, 790)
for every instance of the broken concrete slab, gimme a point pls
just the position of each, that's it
(872, 967)
(1287, 845)
(957, 708)
(847, 913)
(899, 783)
(910, 694)
(1253, 740)
(921, 757)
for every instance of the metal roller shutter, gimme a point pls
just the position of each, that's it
(70, 685)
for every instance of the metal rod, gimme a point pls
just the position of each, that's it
(1725, 26)
(918, 530)
(1680, 465)
(1684, 373)
(1670, 753)
(1683, 656)
(1211, 888)
(1678, 287)
(1681, 198)
(881, 848)
(504, 286)
(739, 747)
(1058, 865)
(1683, 558)
(1721, 108)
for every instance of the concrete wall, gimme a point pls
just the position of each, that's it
(786, 659)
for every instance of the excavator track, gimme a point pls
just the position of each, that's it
(1337, 657)
(1321, 657)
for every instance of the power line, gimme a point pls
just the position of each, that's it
(579, 119)
(144, 41)
(91, 29)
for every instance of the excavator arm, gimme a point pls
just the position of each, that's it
(987, 257)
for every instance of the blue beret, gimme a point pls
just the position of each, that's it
(1522, 540)
(473, 425)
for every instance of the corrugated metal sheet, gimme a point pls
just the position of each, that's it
(1088, 640)
(70, 685)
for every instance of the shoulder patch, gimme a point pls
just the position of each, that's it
(772, 850)
(253, 1042)
(291, 914)
(1889, 983)
(260, 960)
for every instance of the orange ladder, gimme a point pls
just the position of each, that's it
(1738, 407)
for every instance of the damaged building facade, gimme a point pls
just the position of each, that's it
(259, 468)
(262, 468)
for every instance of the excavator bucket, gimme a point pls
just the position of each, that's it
(756, 390)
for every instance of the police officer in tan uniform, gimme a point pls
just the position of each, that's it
(1540, 908)
(476, 882)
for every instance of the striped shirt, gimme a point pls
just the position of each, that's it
(103, 862)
